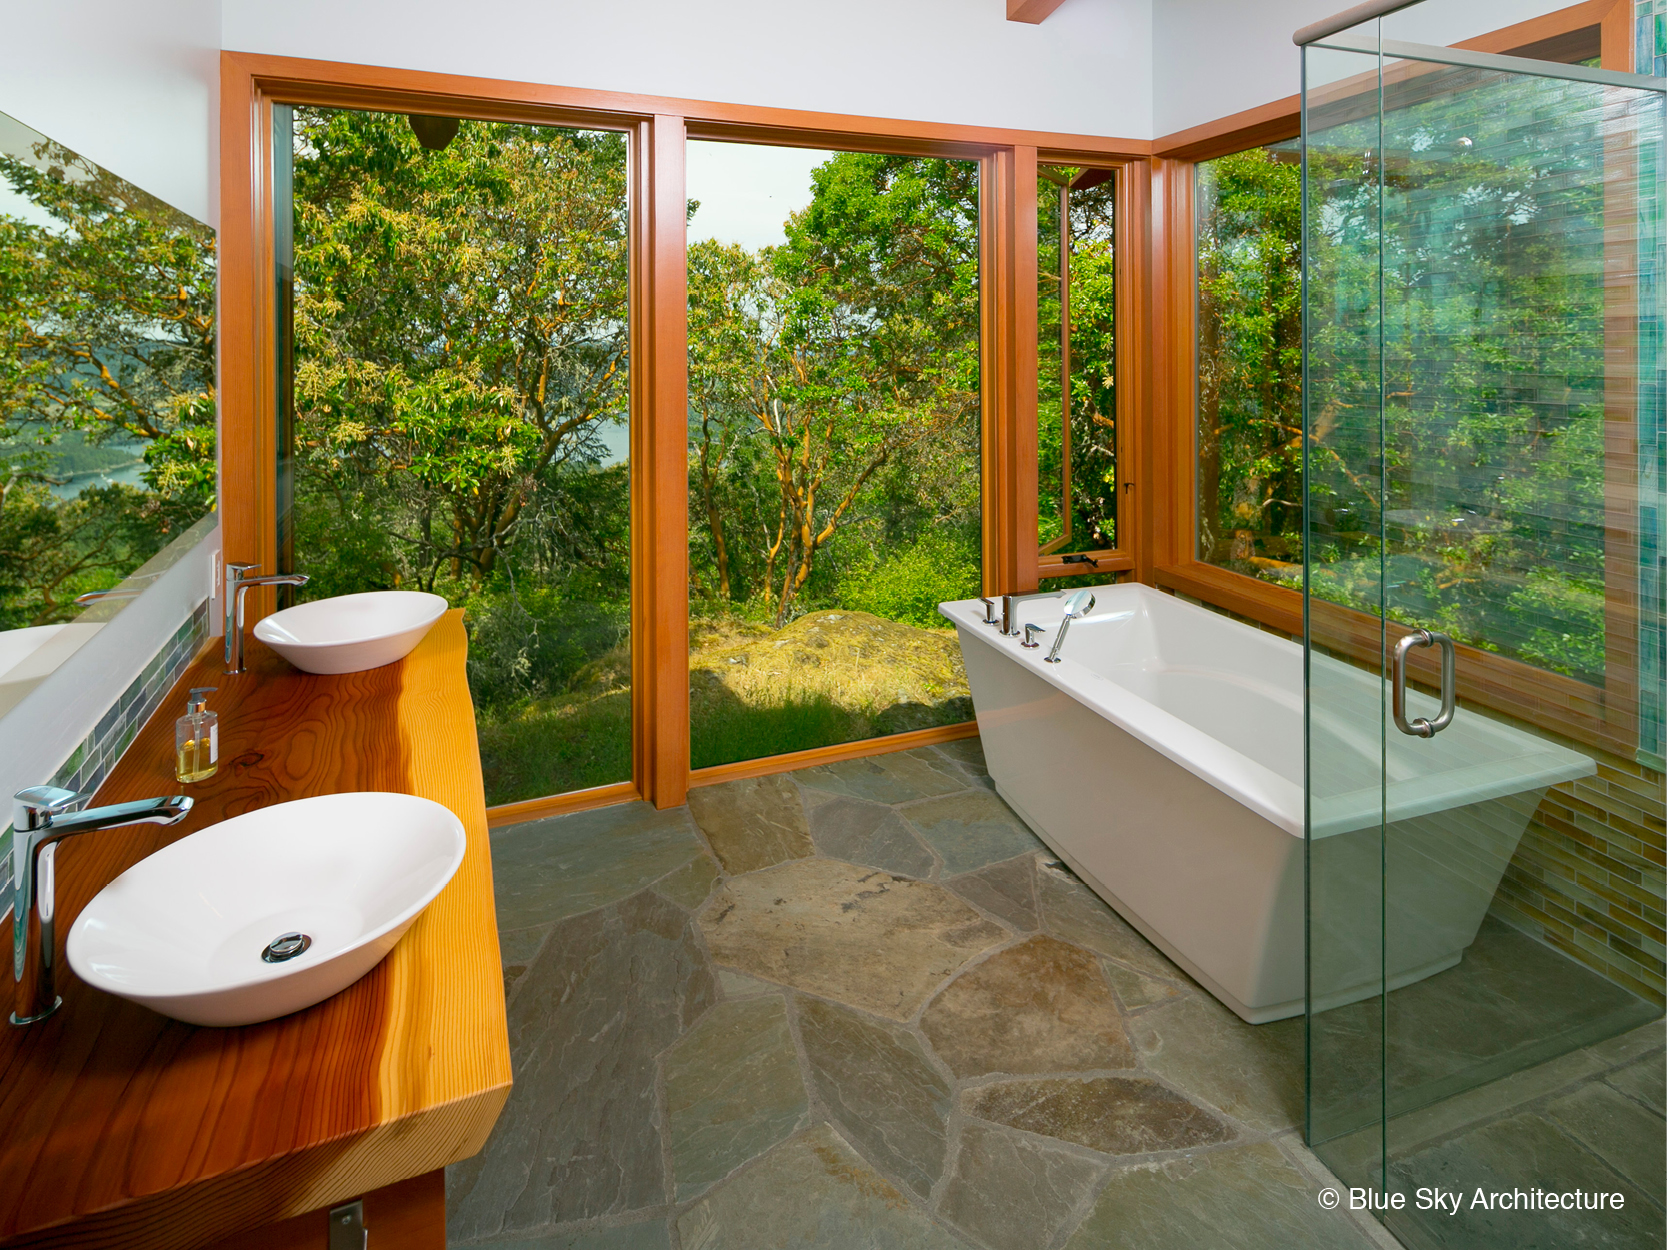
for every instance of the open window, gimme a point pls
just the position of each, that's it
(1079, 437)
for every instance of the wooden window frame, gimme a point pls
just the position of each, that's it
(659, 128)
(1602, 716)
(1131, 197)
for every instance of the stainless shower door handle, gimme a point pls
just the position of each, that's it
(1422, 728)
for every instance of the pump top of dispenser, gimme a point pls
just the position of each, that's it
(197, 702)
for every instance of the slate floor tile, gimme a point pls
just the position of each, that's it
(1007, 890)
(1041, 1006)
(860, 832)
(1246, 1197)
(857, 935)
(811, 1192)
(1629, 1138)
(578, 1138)
(752, 823)
(878, 1084)
(547, 870)
(1116, 1115)
(732, 1091)
(894, 778)
(1013, 1192)
(1253, 1072)
(1072, 911)
(1526, 1151)
(970, 830)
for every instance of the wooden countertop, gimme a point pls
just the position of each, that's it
(119, 1127)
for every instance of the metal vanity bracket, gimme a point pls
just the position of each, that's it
(347, 1226)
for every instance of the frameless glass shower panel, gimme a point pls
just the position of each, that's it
(1342, 549)
(1482, 491)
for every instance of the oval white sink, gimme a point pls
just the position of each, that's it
(183, 931)
(351, 633)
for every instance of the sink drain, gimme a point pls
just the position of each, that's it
(285, 946)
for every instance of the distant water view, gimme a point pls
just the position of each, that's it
(129, 474)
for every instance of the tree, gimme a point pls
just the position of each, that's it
(460, 329)
(1249, 356)
(1090, 403)
(847, 350)
(108, 330)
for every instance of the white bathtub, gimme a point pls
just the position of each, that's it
(1162, 759)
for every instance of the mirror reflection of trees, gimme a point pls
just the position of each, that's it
(107, 402)
(834, 462)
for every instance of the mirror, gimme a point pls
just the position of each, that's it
(107, 402)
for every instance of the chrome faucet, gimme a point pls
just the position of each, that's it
(1010, 609)
(1079, 604)
(43, 816)
(232, 601)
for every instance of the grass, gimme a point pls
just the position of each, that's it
(826, 678)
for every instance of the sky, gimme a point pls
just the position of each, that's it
(747, 191)
(18, 140)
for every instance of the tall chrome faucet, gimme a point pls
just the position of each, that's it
(1010, 627)
(232, 601)
(43, 816)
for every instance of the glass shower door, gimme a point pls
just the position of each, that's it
(1480, 253)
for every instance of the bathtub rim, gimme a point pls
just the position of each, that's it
(1277, 799)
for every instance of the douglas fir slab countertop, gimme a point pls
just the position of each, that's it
(121, 1128)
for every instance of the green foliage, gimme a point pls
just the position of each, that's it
(907, 583)
(459, 332)
(734, 730)
(1250, 359)
(106, 341)
(1456, 463)
(833, 381)
(1091, 412)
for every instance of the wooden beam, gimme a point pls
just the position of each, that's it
(1034, 12)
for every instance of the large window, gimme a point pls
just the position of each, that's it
(458, 416)
(834, 443)
(1249, 239)
(1076, 306)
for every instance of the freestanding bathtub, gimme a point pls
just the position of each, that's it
(1162, 759)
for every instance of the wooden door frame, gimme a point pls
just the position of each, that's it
(658, 128)
(1606, 716)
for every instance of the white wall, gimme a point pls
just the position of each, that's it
(1212, 58)
(1085, 70)
(132, 85)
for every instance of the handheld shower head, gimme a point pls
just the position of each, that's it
(1079, 604)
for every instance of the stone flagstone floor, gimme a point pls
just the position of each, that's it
(861, 1006)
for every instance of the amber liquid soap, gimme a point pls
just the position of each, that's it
(197, 739)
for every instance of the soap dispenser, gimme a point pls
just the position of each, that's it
(197, 738)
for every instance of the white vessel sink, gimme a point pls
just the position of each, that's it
(351, 632)
(187, 931)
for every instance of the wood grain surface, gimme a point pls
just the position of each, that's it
(119, 1127)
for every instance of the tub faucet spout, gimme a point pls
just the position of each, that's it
(1079, 604)
(1010, 627)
